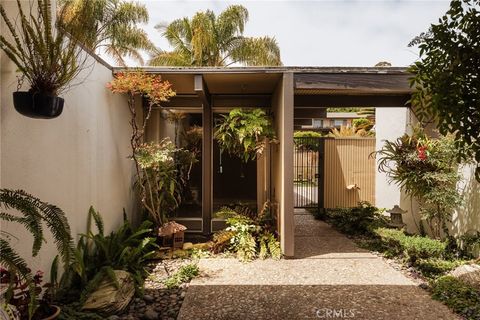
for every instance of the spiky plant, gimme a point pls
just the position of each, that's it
(47, 56)
(345, 132)
(33, 214)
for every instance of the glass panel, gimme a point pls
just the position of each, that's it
(185, 129)
(234, 181)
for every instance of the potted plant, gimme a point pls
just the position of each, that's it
(46, 55)
(245, 133)
(18, 296)
(32, 213)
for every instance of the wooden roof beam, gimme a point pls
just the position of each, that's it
(201, 90)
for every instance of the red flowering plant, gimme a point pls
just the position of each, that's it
(154, 90)
(426, 169)
(19, 295)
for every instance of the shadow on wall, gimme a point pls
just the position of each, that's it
(467, 217)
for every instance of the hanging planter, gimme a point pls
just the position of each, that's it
(49, 57)
(37, 105)
(245, 133)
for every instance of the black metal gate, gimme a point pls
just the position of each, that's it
(308, 172)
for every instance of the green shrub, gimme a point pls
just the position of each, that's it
(184, 274)
(97, 255)
(412, 247)
(462, 298)
(432, 268)
(249, 234)
(310, 141)
(360, 220)
(307, 134)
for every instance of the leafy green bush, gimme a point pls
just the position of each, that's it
(425, 169)
(249, 235)
(307, 134)
(307, 140)
(97, 256)
(243, 240)
(412, 247)
(362, 123)
(462, 298)
(360, 220)
(245, 133)
(432, 268)
(184, 274)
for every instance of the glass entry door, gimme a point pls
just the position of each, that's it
(185, 129)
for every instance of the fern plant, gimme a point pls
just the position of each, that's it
(34, 215)
(245, 133)
(243, 240)
(97, 256)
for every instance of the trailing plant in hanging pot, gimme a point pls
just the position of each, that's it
(245, 133)
(46, 55)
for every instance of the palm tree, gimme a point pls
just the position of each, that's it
(210, 40)
(111, 25)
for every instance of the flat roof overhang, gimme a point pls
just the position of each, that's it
(314, 87)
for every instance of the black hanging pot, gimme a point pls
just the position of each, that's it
(37, 105)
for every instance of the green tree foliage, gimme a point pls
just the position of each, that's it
(447, 79)
(210, 40)
(111, 25)
(425, 168)
(165, 170)
(245, 133)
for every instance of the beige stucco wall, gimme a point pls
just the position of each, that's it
(74, 161)
(282, 161)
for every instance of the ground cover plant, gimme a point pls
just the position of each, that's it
(359, 220)
(431, 258)
(248, 235)
(184, 274)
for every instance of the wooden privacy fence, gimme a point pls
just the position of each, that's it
(349, 171)
(333, 172)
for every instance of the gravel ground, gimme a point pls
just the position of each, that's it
(330, 277)
(158, 302)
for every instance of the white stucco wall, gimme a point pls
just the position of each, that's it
(390, 124)
(74, 161)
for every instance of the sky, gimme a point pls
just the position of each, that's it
(322, 33)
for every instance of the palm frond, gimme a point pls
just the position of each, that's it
(262, 51)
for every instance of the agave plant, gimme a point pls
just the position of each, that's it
(33, 214)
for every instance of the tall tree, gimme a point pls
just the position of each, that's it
(447, 76)
(210, 40)
(111, 25)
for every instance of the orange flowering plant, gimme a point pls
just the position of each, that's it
(140, 83)
(156, 91)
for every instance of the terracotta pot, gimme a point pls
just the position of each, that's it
(55, 314)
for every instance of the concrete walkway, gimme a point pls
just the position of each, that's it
(330, 278)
